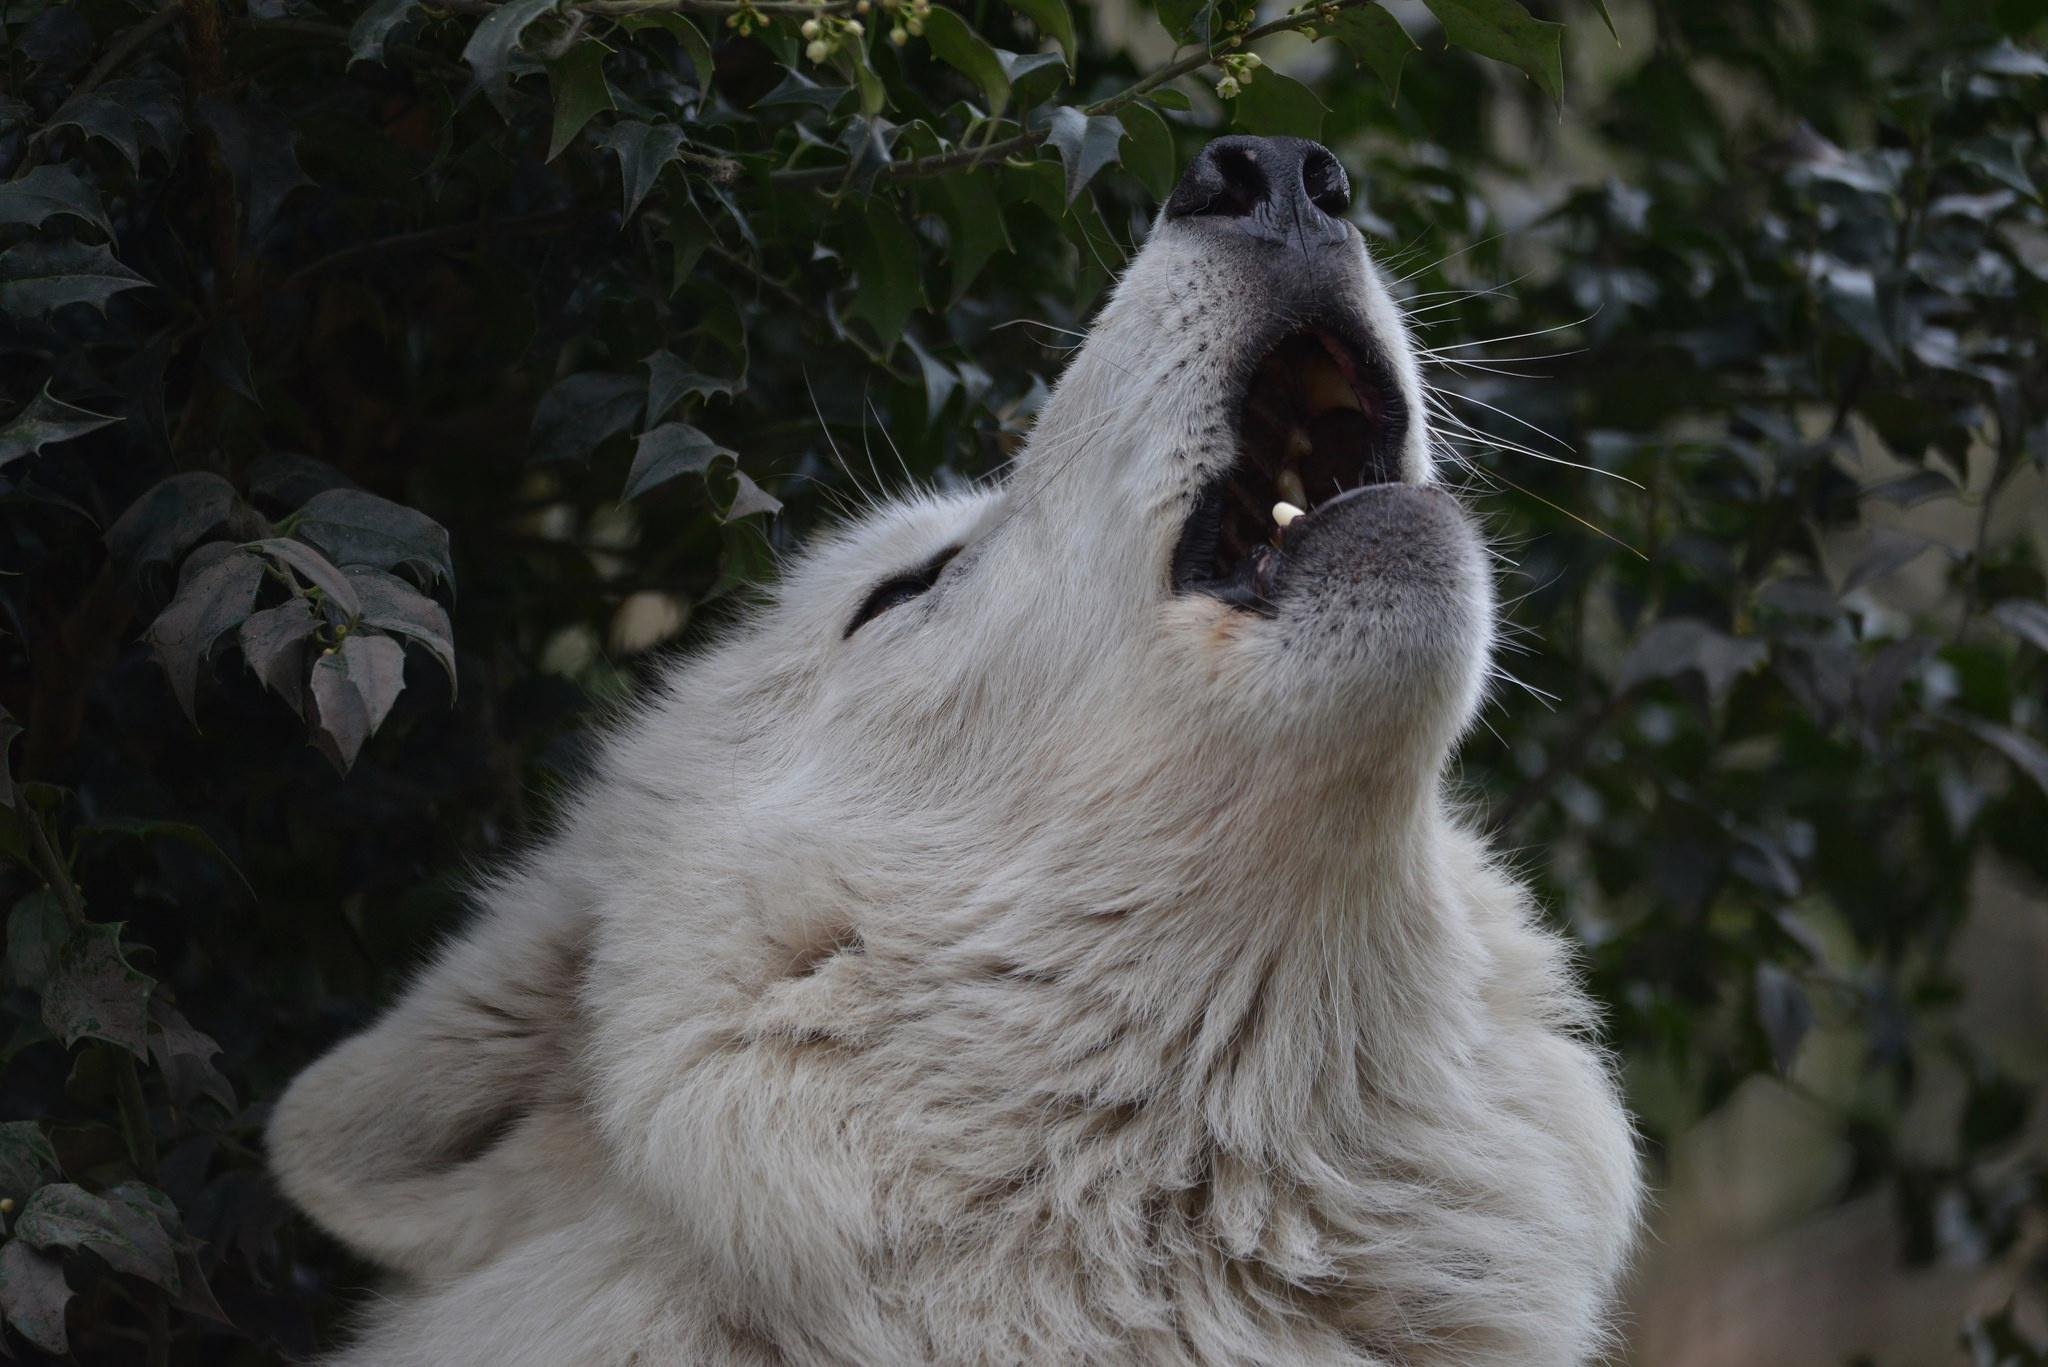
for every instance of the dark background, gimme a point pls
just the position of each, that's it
(384, 387)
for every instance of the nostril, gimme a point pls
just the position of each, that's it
(1328, 188)
(1225, 180)
(1243, 183)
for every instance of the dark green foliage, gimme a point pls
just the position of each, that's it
(313, 312)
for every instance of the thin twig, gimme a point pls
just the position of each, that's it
(940, 163)
(432, 237)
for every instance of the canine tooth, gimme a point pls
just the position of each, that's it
(1291, 488)
(1284, 513)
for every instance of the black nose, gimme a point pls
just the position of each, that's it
(1285, 189)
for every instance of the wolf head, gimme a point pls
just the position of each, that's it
(1127, 599)
(1037, 931)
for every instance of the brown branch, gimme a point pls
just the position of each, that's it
(943, 162)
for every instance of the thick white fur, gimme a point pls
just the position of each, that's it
(1057, 970)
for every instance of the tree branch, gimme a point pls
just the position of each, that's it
(943, 162)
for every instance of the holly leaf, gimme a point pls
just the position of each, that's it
(750, 498)
(884, 256)
(50, 192)
(354, 686)
(1149, 155)
(92, 991)
(255, 142)
(392, 605)
(968, 53)
(1375, 39)
(9, 729)
(672, 449)
(359, 528)
(374, 28)
(975, 231)
(581, 93)
(186, 1057)
(39, 277)
(579, 412)
(314, 568)
(670, 381)
(1033, 76)
(1086, 143)
(2023, 617)
(1054, 21)
(46, 421)
(33, 1295)
(122, 1227)
(1273, 104)
(274, 645)
(642, 149)
(1683, 645)
(1504, 31)
(167, 518)
(1784, 1012)
(693, 42)
(798, 90)
(214, 600)
(495, 40)
(26, 1158)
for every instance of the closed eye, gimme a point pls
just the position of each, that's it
(901, 589)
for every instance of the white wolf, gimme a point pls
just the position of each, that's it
(1040, 934)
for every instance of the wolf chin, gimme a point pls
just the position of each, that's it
(1040, 933)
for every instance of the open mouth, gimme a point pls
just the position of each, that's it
(1320, 419)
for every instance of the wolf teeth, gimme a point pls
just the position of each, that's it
(1285, 513)
(1290, 486)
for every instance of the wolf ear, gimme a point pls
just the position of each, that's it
(453, 1125)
